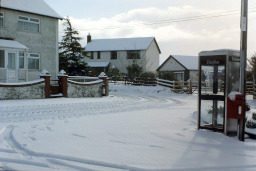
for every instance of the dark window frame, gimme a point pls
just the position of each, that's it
(98, 55)
(1, 19)
(92, 55)
(133, 54)
(113, 55)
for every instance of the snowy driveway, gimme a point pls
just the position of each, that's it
(135, 128)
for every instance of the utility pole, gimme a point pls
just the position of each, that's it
(243, 59)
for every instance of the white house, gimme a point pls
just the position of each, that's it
(183, 67)
(121, 52)
(28, 40)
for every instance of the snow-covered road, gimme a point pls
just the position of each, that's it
(135, 128)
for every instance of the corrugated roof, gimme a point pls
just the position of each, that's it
(11, 44)
(140, 43)
(32, 6)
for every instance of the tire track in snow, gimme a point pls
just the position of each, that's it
(51, 160)
(61, 111)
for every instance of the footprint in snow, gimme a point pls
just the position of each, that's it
(80, 136)
(180, 134)
(32, 138)
(48, 128)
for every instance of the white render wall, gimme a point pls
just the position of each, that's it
(172, 65)
(152, 57)
(44, 42)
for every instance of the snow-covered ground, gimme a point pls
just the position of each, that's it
(134, 128)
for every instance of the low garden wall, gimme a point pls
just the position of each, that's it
(26, 90)
(85, 89)
(42, 88)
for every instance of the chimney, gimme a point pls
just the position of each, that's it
(89, 38)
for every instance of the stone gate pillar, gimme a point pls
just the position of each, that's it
(47, 77)
(105, 87)
(63, 83)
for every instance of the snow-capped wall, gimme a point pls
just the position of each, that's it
(28, 90)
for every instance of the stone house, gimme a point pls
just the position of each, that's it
(28, 40)
(122, 52)
(183, 67)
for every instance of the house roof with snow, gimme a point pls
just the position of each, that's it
(31, 6)
(188, 62)
(120, 44)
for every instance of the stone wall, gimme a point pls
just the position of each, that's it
(88, 89)
(27, 90)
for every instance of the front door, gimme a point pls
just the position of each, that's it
(11, 67)
(212, 93)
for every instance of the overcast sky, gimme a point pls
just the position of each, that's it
(181, 27)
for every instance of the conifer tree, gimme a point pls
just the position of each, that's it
(71, 53)
(252, 63)
(134, 70)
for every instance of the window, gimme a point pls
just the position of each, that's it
(133, 54)
(114, 55)
(2, 59)
(11, 60)
(33, 61)
(21, 60)
(98, 55)
(28, 24)
(92, 55)
(179, 76)
(1, 19)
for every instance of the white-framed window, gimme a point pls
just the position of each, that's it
(28, 24)
(1, 19)
(21, 60)
(34, 61)
(2, 59)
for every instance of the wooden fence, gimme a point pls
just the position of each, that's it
(192, 87)
(144, 81)
(177, 86)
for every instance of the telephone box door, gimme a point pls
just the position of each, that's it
(212, 93)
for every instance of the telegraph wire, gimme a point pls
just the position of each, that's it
(168, 21)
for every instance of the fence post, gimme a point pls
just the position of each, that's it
(190, 87)
(174, 85)
(253, 91)
(104, 77)
(47, 77)
(63, 83)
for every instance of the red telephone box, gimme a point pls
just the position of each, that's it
(235, 107)
(218, 78)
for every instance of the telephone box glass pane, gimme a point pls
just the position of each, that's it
(220, 116)
(212, 80)
(206, 112)
(212, 112)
